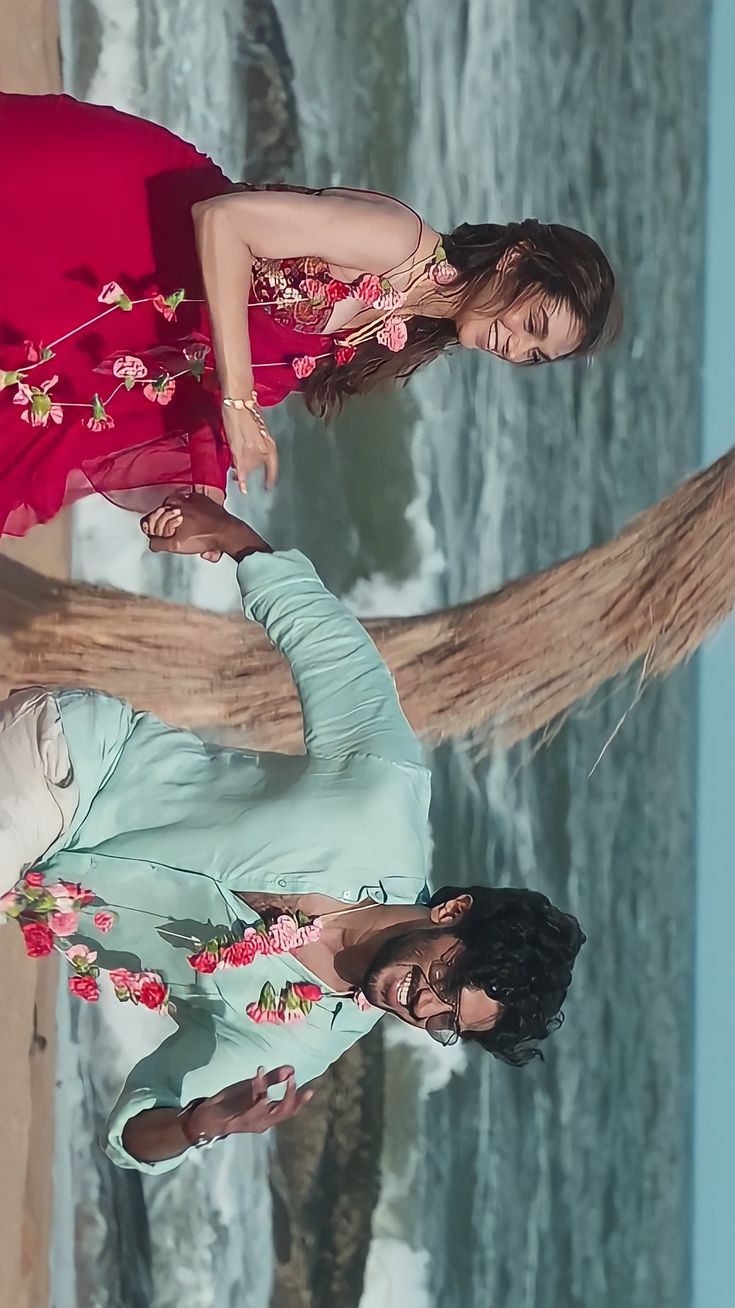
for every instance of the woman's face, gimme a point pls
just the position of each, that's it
(532, 330)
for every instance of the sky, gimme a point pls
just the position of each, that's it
(714, 1124)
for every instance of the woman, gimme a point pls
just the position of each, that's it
(345, 291)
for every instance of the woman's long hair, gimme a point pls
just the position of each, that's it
(564, 265)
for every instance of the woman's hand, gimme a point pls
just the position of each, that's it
(246, 1108)
(191, 523)
(251, 445)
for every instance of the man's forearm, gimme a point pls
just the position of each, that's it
(156, 1135)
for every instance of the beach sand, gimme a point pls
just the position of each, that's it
(29, 62)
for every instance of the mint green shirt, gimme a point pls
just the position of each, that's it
(168, 828)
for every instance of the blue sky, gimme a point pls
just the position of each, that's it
(714, 1130)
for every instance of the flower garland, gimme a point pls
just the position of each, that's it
(40, 407)
(49, 914)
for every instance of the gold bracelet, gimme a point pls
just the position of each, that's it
(235, 403)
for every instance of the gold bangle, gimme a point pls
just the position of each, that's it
(235, 403)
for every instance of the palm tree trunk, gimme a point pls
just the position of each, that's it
(505, 665)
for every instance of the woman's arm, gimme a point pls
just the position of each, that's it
(354, 233)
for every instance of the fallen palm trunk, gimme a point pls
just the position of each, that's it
(505, 665)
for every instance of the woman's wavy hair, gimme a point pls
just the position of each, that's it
(563, 264)
(519, 949)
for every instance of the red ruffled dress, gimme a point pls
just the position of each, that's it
(97, 234)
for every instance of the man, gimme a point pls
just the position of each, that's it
(181, 853)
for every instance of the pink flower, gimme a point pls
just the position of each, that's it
(160, 392)
(443, 273)
(34, 878)
(38, 939)
(39, 407)
(100, 424)
(344, 354)
(81, 957)
(313, 290)
(54, 413)
(390, 297)
(336, 290)
(100, 418)
(168, 304)
(73, 890)
(37, 353)
(111, 293)
(307, 992)
(204, 962)
(85, 987)
(129, 365)
(242, 952)
(105, 921)
(152, 991)
(123, 980)
(368, 289)
(64, 924)
(303, 366)
(393, 334)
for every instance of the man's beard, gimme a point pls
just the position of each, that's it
(406, 949)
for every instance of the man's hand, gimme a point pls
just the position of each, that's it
(192, 523)
(246, 1108)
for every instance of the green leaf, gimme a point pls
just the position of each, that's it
(129, 383)
(125, 303)
(47, 354)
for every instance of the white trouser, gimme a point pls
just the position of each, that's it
(38, 793)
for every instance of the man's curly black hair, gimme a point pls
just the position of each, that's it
(519, 949)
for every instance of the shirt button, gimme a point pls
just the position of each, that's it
(282, 882)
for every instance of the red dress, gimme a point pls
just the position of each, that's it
(91, 197)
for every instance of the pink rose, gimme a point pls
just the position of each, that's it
(393, 334)
(34, 878)
(129, 365)
(78, 893)
(443, 273)
(85, 987)
(390, 297)
(122, 979)
(303, 366)
(81, 956)
(38, 939)
(255, 1012)
(307, 992)
(105, 921)
(64, 924)
(336, 290)
(152, 993)
(204, 962)
(242, 953)
(368, 289)
(344, 354)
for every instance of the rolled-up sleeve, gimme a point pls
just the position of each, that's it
(348, 696)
